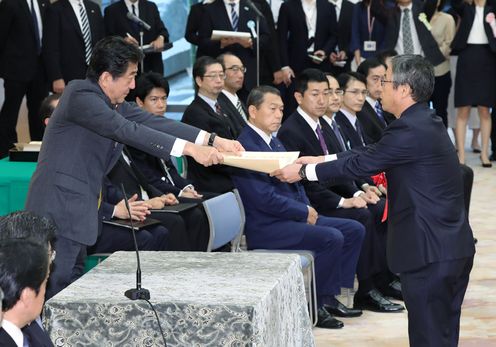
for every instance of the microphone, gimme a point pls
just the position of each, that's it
(138, 21)
(254, 8)
(251, 26)
(137, 293)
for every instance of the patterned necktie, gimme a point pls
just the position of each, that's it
(335, 129)
(407, 32)
(274, 144)
(218, 110)
(379, 111)
(359, 131)
(234, 16)
(239, 107)
(36, 28)
(85, 28)
(320, 135)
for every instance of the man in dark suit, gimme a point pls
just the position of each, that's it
(303, 132)
(430, 242)
(24, 269)
(21, 67)
(229, 100)
(92, 117)
(303, 31)
(405, 32)
(206, 113)
(72, 28)
(234, 15)
(117, 23)
(344, 14)
(279, 215)
(28, 226)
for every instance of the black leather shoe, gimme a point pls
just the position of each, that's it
(325, 320)
(492, 157)
(392, 290)
(337, 309)
(374, 301)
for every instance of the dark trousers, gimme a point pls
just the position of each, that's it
(433, 296)
(35, 91)
(114, 238)
(440, 96)
(468, 181)
(68, 265)
(336, 244)
(493, 132)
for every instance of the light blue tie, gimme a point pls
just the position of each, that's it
(234, 16)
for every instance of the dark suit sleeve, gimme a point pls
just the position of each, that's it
(158, 25)
(193, 24)
(6, 18)
(332, 35)
(51, 44)
(211, 47)
(282, 30)
(272, 46)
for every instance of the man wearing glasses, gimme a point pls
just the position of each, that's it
(229, 101)
(206, 113)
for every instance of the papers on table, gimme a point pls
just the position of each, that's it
(33, 146)
(220, 34)
(261, 161)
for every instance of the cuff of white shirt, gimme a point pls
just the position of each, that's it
(201, 137)
(178, 148)
(310, 172)
(341, 202)
(365, 186)
(357, 193)
(186, 187)
(330, 157)
(113, 212)
(285, 68)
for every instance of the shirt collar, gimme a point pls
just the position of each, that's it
(351, 117)
(312, 123)
(337, 3)
(261, 133)
(209, 101)
(328, 119)
(227, 2)
(232, 97)
(14, 332)
(371, 101)
(407, 7)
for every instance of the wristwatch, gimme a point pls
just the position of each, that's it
(211, 139)
(302, 173)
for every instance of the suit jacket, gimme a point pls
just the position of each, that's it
(372, 126)
(297, 135)
(237, 121)
(360, 31)
(214, 178)
(467, 14)
(216, 18)
(350, 135)
(116, 23)
(5, 339)
(293, 32)
(393, 17)
(80, 145)
(344, 26)
(37, 336)
(427, 220)
(193, 23)
(268, 202)
(63, 43)
(19, 59)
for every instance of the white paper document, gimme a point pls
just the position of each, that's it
(261, 161)
(33, 146)
(219, 34)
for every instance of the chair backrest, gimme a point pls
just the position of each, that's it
(225, 220)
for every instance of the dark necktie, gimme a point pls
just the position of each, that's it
(218, 109)
(359, 131)
(406, 31)
(380, 112)
(134, 24)
(234, 16)
(85, 28)
(274, 144)
(320, 136)
(335, 129)
(36, 28)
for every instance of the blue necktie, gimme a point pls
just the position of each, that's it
(274, 144)
(359, 131)
(335, 129)
(234, 16)
(380, 112)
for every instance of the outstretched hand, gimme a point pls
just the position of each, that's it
(289, 173)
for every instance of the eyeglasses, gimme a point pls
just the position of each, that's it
(155, 99)
(214, 76)
(383, 82)
(338, 92)
(357, 92)
(236, 68)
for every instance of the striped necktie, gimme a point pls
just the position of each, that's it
(234, 16)
(85, 28)
(380, 113)
(406, 31)
(239, 107)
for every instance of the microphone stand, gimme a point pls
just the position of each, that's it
(137, 293)
(258, 50)
(142, 64)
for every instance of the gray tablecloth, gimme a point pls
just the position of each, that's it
(202, 299)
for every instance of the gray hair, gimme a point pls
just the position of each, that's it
(256, 96)
(416, 72)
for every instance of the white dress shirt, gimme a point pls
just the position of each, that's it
(337, 4)
(417, 48)
(262, 134)
(75, 7)
(129, 5)
(310, 9)
(14, 332)
(477, 34)
(38, 16)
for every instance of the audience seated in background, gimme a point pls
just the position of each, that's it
(48, 106)
(24, 269)
(206, 113)
(279, 215)
(304, 131)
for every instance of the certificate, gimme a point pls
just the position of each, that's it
(261, 161)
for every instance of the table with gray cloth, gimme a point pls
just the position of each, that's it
(202, 299)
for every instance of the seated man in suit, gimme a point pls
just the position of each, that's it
(279, 215)
(303, 132)
(28, 226)
(372, 117)
(24, 269)
(229, 101)
(206, 113)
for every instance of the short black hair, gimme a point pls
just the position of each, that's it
(147, 81)
(347, 77)
(307, 76)
(430, 7)
(25, 225)
(46, 108)
(112, 54)
(221, 58)
(385, 54)
(23, 264)
(257, 95)
(370, 63)
(201, 64)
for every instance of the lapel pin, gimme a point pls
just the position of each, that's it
(246, 8)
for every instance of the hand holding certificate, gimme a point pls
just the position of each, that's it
(265, 162)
